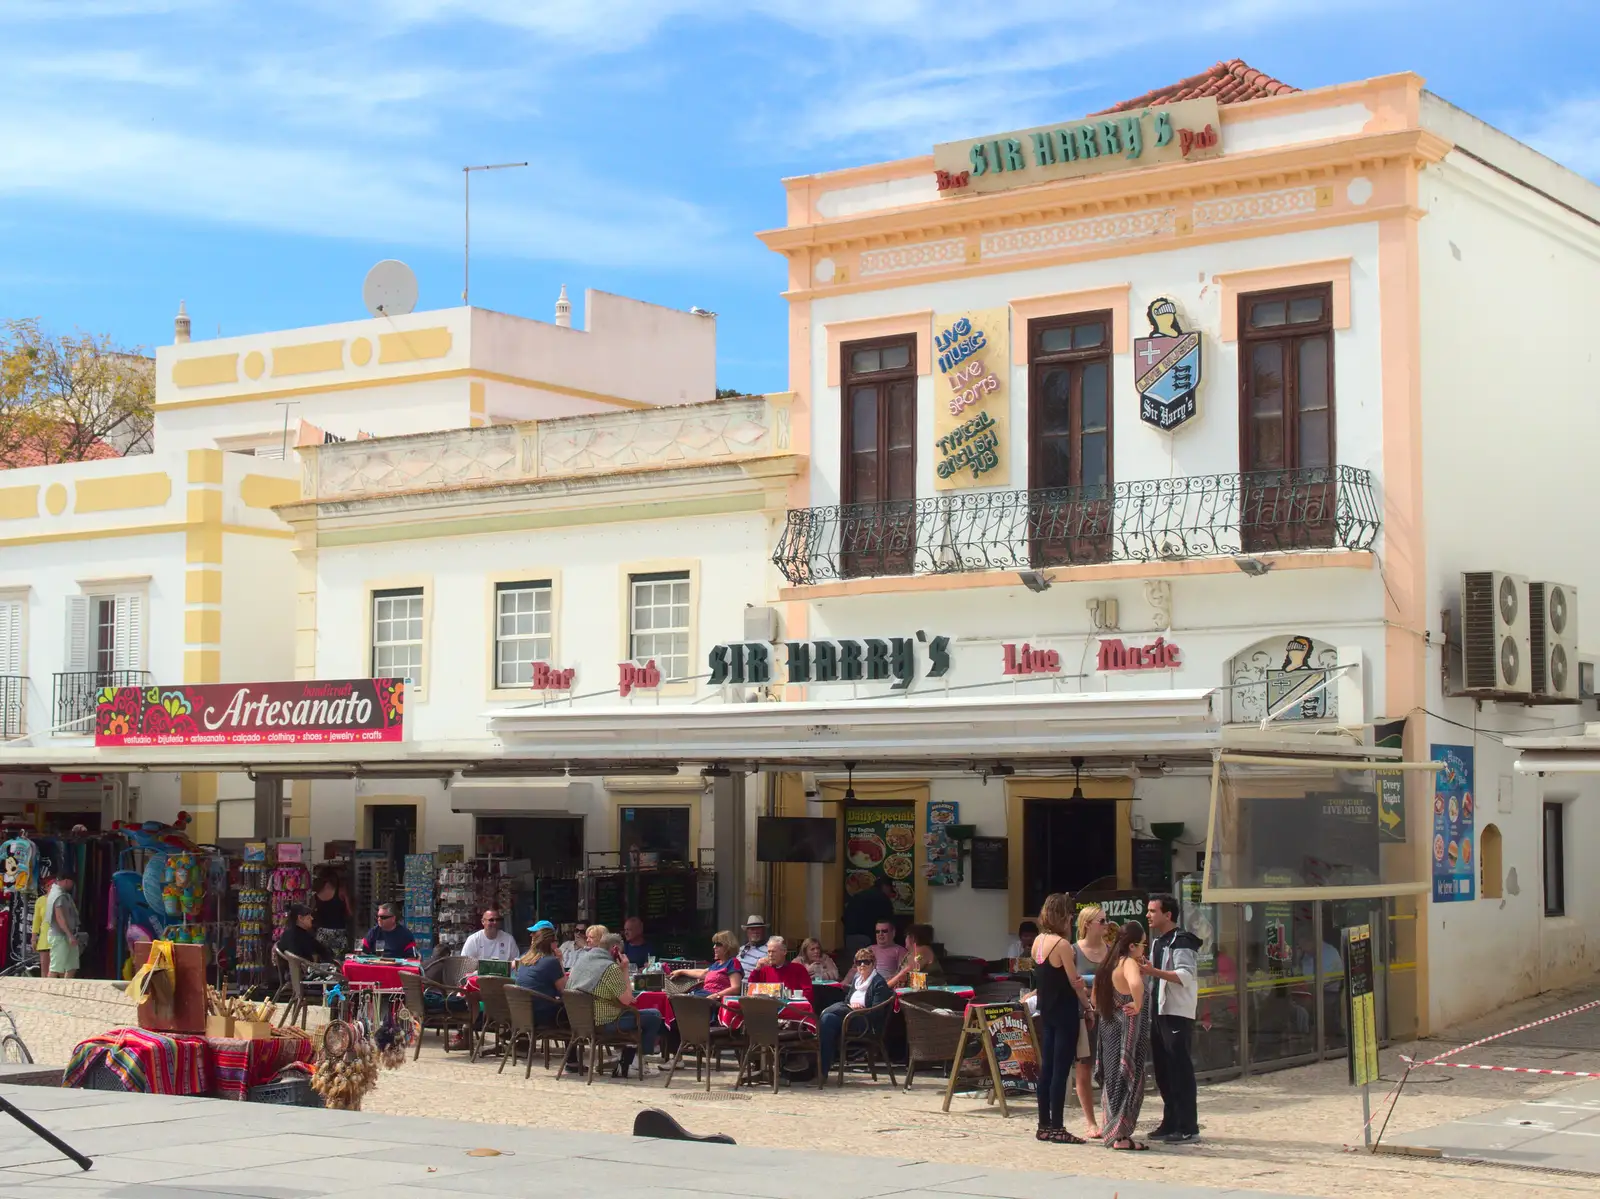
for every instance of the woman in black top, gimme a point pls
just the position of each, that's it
(331, 911)
(1055, 978)
(299, 939)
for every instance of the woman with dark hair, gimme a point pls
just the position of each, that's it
(1059, 990)
(330, 901)
(1119, 1001)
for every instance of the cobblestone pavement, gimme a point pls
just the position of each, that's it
(1287, 1131)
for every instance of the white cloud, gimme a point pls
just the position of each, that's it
(1567, 131)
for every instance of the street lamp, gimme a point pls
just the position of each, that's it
(466, 232)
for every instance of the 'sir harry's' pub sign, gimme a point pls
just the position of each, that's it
(1166, 368)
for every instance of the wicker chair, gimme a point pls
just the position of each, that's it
(297, 1006)
(496, 1015)
(863, 1031)
(441, 1020)
(449, 970)
(933, 1034)
(770, 1043)
(941, 1001)
(700, 1034)
(579, 1006)
(525, 1026)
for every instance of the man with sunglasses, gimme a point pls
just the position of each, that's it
(389, 938)
(887, 956)
(491, 943)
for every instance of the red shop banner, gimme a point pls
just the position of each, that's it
(309, 712)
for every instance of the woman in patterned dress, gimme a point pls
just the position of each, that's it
(1119, 998)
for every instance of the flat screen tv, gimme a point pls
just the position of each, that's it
(796, 839)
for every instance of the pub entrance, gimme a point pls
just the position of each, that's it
(1068, 845)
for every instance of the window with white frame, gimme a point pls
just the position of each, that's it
(658, 623)
(397, 634)
(522, 613)
(13, 684)
(105, 635)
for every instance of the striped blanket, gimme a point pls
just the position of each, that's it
(237, 1065)
(148, 1062)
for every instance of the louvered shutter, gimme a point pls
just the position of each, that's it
(10, 637)
(78, 650)
(128, 652)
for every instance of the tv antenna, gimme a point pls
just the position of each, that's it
(466, 212)
(390, 289)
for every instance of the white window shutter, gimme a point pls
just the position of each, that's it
(128, 652)
(77, 632)
(10, 637)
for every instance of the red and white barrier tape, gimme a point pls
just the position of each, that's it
(1508, 1069)
(1435, 1061)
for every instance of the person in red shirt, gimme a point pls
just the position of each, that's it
(777, 968)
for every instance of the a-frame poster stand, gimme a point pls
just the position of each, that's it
(976, 1024)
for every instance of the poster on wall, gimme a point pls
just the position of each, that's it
(1454, 870)
(1284, 673)
(972, 396)
(879, 842)
(944, 855)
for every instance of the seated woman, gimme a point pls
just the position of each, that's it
(920, 958)
(821, 966)
(722, 976)
(540, 970)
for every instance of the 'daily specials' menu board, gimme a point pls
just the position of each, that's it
(880, 842)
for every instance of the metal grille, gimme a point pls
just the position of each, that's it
(76, 694)
(1146, 520)
(13, 690)
(1478, 636)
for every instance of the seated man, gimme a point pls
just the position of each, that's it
(634, 946)
(615, 1006)
(1021, 946)
(389, 938)
(867, 989)
(491, 942)
(776, 967)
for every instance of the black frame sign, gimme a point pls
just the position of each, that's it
(844, 660)
(1361, 1053)
(991, 864)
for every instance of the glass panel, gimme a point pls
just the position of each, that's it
(1055, 401)
(1054, 462)
(1266, 406)
(1280, 969)
(1266, 314)
(893, 358)
(863, 419)
(1094, 397)
(1337, 916)
(1094, 460)
(1217, 974)
(1055, 339)
(1303, 309)
(1312, 380)
(1086, 337)
(902, 479)
(863, 360)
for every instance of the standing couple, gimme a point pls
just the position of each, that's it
(1120, 1002)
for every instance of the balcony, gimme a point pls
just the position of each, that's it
(1147, 520)
(75, 695)
(13, 714)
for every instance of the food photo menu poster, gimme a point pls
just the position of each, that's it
(1453, 851)
(880, 842)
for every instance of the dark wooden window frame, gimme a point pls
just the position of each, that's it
(849, 378)
(1249, 337)
(1038, 359)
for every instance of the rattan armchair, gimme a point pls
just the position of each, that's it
(442, 1020)
(863, 1031)
(525, 1026)
(496, 1015)
(769, 1043)
(699, 1033)
(933, 1034)
(579, 1006)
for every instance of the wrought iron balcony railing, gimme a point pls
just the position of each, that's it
(13, 714)
(1147, 520)
(76, 695)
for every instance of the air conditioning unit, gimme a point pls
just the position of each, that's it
(1553, 639)
(1495, 652)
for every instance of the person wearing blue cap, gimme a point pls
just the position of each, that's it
(539, 970)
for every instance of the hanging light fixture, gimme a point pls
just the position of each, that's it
(849, 782)
(1077, 778)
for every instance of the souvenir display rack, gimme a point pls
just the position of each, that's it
(373, 886)
(419, 909)
(252, 951)
(465, 890)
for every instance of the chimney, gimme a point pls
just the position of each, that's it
(180, 325)
(564, 309)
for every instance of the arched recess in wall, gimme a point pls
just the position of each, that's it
(1489, 863)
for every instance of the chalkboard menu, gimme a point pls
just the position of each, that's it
(667, 900)
(558, 900)
(1152, 864)
(608, 900)
(991, 864)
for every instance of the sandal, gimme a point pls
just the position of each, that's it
(1057, 1136)
(1129, 1146)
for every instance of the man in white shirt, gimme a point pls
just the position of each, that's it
(491, 943)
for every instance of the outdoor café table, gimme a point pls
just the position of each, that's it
(384, 972)
(797, 1009)
(965, 994)
(655, 1001)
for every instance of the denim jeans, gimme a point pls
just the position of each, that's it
(1058, 1046)
(648, 1024)
(830, 1029)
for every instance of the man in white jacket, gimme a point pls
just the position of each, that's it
(1172, 962)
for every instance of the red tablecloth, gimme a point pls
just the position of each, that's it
(384, 974)
(655, 1001)
(236, 1066)
(151, 1063)
(795, 1009)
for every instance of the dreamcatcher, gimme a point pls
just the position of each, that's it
(347, 1066)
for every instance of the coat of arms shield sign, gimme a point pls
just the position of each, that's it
(1166, 368)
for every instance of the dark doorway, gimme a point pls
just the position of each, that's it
(552, 845)
(661, 831)
(394, 830)
(1068, 844)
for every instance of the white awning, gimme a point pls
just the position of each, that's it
(398, 759)
(875, 734)
(523, 797)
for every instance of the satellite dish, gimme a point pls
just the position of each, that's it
(390, 289)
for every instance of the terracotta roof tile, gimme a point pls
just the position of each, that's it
(33, 453)
(1231, 82)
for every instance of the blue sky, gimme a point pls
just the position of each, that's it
(255, 159)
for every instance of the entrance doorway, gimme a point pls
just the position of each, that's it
(394, 830)
(1068, 845)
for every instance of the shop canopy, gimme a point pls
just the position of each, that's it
(1558, 755)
